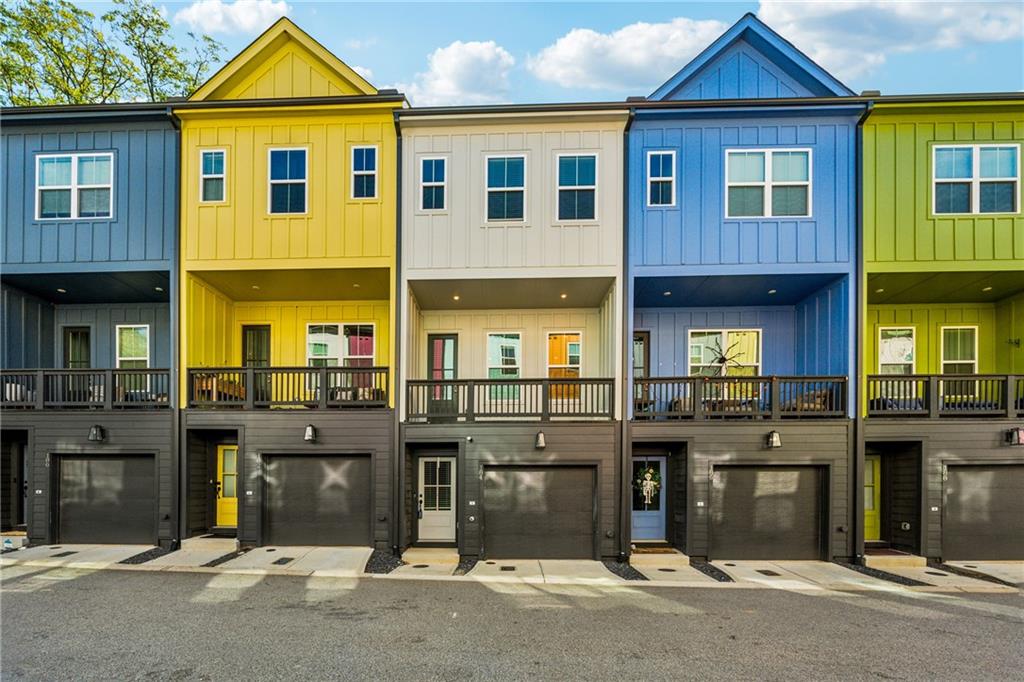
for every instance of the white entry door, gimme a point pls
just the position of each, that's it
(436, 500)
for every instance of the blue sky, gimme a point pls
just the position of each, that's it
(449, 53)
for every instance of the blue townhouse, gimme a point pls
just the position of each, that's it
(88, 282)
(741, 302)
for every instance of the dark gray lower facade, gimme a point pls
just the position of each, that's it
(335, 489)
(518, 490)
(723, 493)
(120, 489)
(951, 489)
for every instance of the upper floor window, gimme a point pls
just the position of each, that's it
(506, 187)
(433, 184)
(725, 352)
(364, 172)
(211, 175)
(976, 179)
(340, 345)
(565, 355)
(577, 187)
(959, 350)
(768, 183)
(661, 178)
(132, 346)
(288, 180)
(896, 350)
(74, 186)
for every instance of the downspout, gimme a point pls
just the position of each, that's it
(397, 452)
(625, 447)
(181, 489)
(858, 341)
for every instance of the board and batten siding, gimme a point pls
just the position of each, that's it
(696, 232)
(459, 241)
(1010, 317)
(102, 321)
(26, 330)
(901, 231)
(141, 234)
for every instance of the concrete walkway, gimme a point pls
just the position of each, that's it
(1007, 571)
(427, 563)
(671, 568)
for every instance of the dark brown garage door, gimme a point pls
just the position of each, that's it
(104, 499)
(984, 512)
(539, 512)
(766, 512)
(321, 500)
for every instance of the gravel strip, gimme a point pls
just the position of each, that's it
(884, 575)
(624, 570)
(148, 555)
(222, 559)
(382, 562)
(968, 573)
(713, 571)
(465, 566)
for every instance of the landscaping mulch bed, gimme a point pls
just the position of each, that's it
(713, 571)
(884, 575)
(148, 555)
(968, 573)
(624, 570)
(382, 562)
(222, 559)
(465, 566)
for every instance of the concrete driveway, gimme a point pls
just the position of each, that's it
(800, 575)
(329, 562)
(75, 556)
(548, 571)
(1007, 571)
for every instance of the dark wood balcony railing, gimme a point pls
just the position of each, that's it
(943, 395)
(698, 397)
(509, 399)
(58, 389)
(309, 387)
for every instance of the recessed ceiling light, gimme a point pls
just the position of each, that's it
(62, 291)
(158, 288)
(564, 296)
(456, 297)
(987, 289)
(356, 286)
(878, 291)
(772, 291)
(256, 287)
(666, 293)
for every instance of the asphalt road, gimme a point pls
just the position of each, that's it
(73, 624)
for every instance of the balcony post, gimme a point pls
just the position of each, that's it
(933, 396)
(774, 398)
(698, 397)
(250, 387)
(545, 400)
(190, 386)
(40, 389)
(611, 399)
(1010, 396)
(470, 400)
(108, 389)
(322, 386)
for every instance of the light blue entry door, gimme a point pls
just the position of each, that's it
(648, 484)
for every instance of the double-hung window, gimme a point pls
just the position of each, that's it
(577, 187)
(433, 185)
(133, 353)
(288, 181)
(504, 358)
(768, 183)
(959, 350)
(364, 172)
(725, 352)
(565, 360)
(976, 179)
(661, 178)
(74, 186)
(896, 350)
(506, 188)
(211, 175)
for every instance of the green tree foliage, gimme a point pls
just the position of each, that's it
(54, 52)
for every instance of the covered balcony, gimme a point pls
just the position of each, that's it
(511, 350)
(83, 341)
(944, 345)
(741, 347)
(312, 339)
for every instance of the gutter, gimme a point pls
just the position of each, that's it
(625, 446)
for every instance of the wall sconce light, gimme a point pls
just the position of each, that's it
(1014, 342)
(310, 435)
(97, 434)
(774, 440)
(540, 443)
(1015, 436)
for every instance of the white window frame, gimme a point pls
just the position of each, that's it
(559, 187)
(342, 353)
(74, 186)
(942, 348)
(213, 176)
(725, 335)
(443, 185)
(355, 173)
(488, 189)
(975, 179)
(878, 347)
(767, 185)
(117, 344)
(671, 178)
(547, 354)
(271, 183)
(487, 361)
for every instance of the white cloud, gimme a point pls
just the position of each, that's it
(462, 73)
(852, 39)
(635, 58)
(240, 16)
(364, 72)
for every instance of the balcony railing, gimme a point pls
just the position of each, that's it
(58, 389)
(943, 395)
(698, 397)
(307, 387)
(509, 400)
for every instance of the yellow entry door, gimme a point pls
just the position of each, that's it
(227, 485)
(872, 498)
